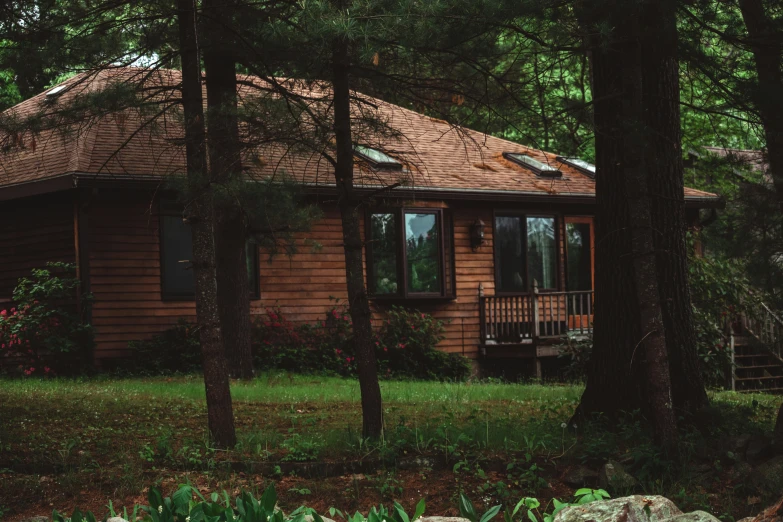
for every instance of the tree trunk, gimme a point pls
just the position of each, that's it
(661, 95)
(767, 47)
(200, 215)
(614, 375)
(350, 214)
(225, 168)
(630, 366)
(638, 161)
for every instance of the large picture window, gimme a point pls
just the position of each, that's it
(525, 250)
(176, 255)
(409, 253)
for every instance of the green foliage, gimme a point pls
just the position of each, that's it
(528, 508)
(720, 292)
(576, 351)
(171, 351)
(187, 504)
(405, 346)
(44, 332)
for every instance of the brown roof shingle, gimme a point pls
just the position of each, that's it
(437, 156)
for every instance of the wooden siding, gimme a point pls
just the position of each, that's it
(123, 238)
(124, 267)
(35, 231)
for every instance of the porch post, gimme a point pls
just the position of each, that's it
(534, 304)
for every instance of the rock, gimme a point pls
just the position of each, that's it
(119, 519)
(694, 516)
(443, 519)
(579, 477)
(736, 444)
(38, 518)
(769, 475)
(759, 449)
(614, 476)
(624, 509)
(741, 471)
(416, 463)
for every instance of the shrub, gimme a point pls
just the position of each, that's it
(174, 350)
(406, 347)
(576, 352)
(43, 331)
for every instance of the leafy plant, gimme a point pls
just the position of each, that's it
(46, 332)
(171, 351)
(467, 510)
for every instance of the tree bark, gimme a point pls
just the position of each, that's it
(225, 168)
(637, 151)
(200, 215)
(614, 375)
(638, 161)
(661, 96)
(350, 214)
(767, 47)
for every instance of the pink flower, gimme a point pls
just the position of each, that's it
(3, 313)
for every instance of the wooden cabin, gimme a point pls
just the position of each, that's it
(493, 237)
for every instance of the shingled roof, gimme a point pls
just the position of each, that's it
(438, 158)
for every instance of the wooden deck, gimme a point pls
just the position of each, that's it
(528, 325)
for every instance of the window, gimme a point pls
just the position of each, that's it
(376, 158)
(409, 253)
(541, 169)
(579, 164)
(525, 250)
(579, 253)
(176, 254)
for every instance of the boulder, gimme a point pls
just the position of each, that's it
(769, 475)
(736, 444)
(116, 519)
(759, 449)
(443, 519)
(694, 516)
(580, 477)
(614, 476)
(624, 509)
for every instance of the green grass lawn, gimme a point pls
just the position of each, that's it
(111, 437)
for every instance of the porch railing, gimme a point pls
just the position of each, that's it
(513, 319)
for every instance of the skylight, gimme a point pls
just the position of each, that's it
(55, 92)
(542, 169)
(579, 164)
(377, 158)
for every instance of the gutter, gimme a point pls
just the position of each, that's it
(80, 179)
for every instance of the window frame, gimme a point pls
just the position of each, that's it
(558, 217)
(402, 254)
(546, 174)
(587, 220)
(170, 208)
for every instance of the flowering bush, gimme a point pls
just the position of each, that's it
(323, 347)
(406, 347)
(44, 333)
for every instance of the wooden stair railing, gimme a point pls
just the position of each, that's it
(756, 348)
